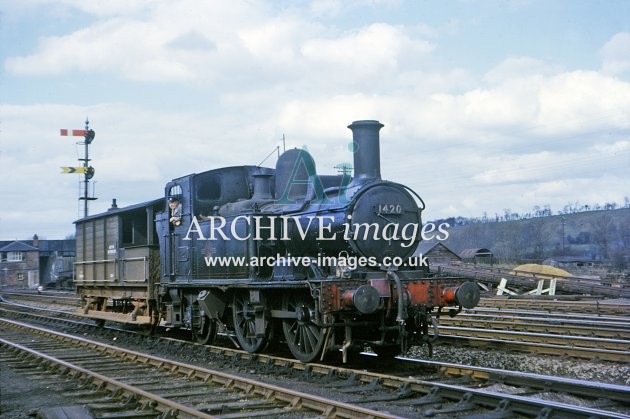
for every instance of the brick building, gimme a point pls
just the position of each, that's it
(31, 263)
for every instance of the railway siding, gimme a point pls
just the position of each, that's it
(157, 383)
(425, 397)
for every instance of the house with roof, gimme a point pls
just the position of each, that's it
(31, 263)
(436, 253)
(577, 265)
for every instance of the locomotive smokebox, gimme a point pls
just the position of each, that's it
(366, 148)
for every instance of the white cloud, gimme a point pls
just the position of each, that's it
(370, 53)
(616, 54)
(583, 101)
(527, 132)
(520, 67)
(570, 103)
(230, 46)
(145, 48)
(333, 8)
(63, 9)
(97, 49)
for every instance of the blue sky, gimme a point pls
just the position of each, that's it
(487, 105)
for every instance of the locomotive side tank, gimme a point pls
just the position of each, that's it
(319, 262)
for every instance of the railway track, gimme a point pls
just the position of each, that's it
(485, 389)
(590, 330)
(543, 343)
(587, 336)
(607, 328)
(133, 382)
(47, 296)
(558, 304)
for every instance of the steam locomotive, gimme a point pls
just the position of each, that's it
(321, 263)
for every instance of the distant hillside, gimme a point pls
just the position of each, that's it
(601, 235)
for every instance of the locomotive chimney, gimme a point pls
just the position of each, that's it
(367, 159)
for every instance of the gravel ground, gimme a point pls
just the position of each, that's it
(22, 397)
(590, 370)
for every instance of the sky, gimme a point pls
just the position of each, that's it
(487, 105)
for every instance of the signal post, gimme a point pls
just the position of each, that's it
(87, 170)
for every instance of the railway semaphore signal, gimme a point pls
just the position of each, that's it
(86, 170)
(78, 170)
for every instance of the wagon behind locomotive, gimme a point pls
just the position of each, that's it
(117, 263)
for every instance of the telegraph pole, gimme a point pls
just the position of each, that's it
(85, 169)
(563, 221)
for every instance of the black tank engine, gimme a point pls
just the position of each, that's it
(285, 255)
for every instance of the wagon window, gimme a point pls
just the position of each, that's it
(134, 229)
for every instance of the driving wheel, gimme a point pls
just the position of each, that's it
(244, 315)
(304, 338)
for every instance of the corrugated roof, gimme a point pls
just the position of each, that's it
(471, 253)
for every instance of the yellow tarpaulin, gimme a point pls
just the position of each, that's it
(540, 270)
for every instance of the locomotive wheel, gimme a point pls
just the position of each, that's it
(206, 331)
(244, 315)
(304, 338)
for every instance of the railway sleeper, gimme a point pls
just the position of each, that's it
(463, 405)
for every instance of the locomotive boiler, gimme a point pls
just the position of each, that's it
(320, 263)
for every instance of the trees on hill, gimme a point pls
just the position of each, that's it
(599, 235)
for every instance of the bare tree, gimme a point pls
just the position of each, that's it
(603, 230)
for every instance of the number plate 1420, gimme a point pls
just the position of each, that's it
(390, 209)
